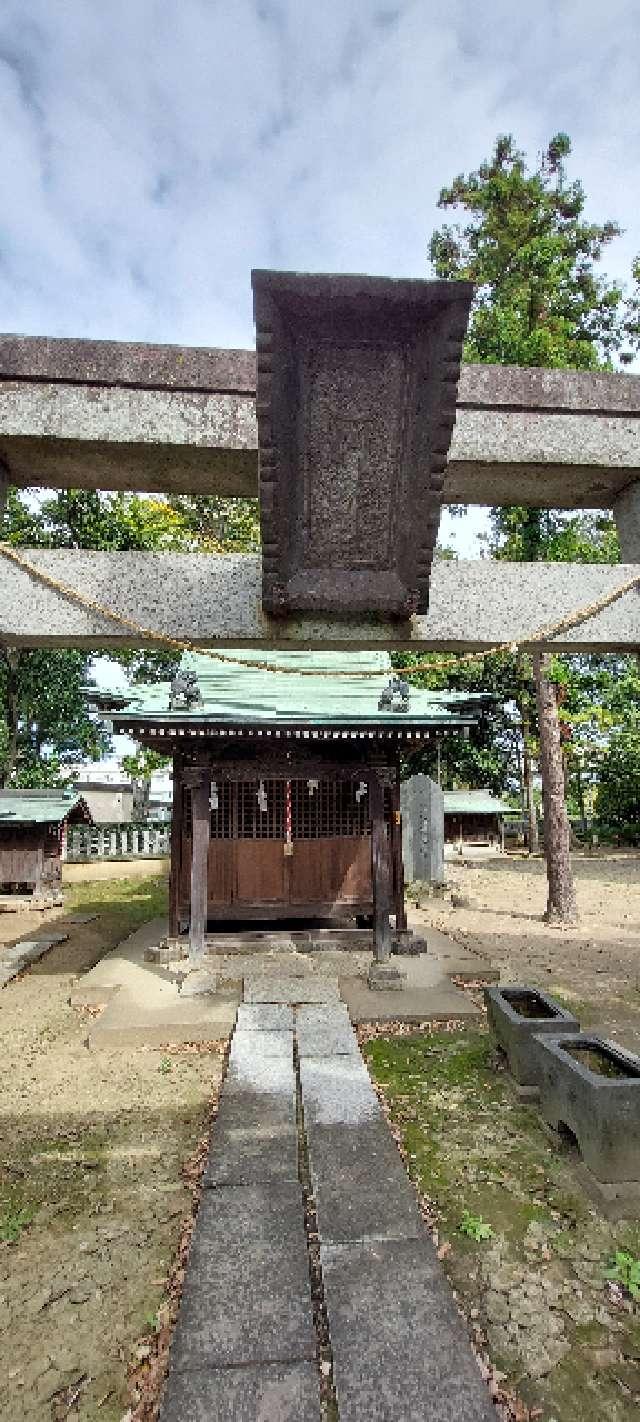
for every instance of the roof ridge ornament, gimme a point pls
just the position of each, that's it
(395, 696)
(356, 396)
(184, 692)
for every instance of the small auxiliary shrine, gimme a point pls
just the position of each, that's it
(286, 784)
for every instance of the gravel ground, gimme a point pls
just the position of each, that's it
(595, 966)
(92, 1194)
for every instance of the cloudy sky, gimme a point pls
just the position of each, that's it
(153, 151)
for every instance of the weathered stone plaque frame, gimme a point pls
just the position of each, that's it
(356, 397)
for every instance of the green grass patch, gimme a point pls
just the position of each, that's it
(13, 1219)
(123, 904)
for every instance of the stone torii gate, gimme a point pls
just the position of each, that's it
(348, 441)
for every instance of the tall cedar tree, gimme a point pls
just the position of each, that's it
(540, 302)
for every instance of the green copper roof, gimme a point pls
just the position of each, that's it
(36, 807)
(472, 802)
(249, 695)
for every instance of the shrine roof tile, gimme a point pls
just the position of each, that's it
(244, 693)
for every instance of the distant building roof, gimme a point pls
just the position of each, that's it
(244, 693)
(38, 807)
(473, 802)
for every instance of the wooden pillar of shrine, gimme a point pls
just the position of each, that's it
(176, 848)
(396, 855)
(200, 781)
(380, 871)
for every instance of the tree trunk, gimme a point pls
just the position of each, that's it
(561, 902)
(527, 776)
(12, 659)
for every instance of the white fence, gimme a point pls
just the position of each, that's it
(128, 841)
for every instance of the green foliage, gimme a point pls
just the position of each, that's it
(524, 535)
(44, 716)
(43, 712)
(625, 1270)
(144, 763)
(533, 256)
(540, 300)
(219, 525)
(618, 797)
(491, 756)
(475, 1227)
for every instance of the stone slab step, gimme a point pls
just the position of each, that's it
(254, 1140)
(291, 989)
(325, 1031)
(400, 1351)
(360, 1185)
(264, 1017)
(265, 1392)
(260, 1076)
(246, 1296)
(337, 1091)
(255, 1046)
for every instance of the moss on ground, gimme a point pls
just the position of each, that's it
(567, 1341)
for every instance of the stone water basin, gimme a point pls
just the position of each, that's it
(517, 1014)
(590, 1094)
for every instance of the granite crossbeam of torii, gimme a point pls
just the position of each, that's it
(344, 424)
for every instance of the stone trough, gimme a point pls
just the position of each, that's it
(517, 1015)
(590, 1092)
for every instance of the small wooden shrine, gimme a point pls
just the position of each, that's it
(474, 817)
(286, 783)
(32, 829)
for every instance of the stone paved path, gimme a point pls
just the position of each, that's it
(300, 1135)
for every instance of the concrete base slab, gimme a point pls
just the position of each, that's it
(454, 959)
(386, 977)
(124, 967)
(127, 1022)
(10, 903)
(400, 1351)
(247, 1296)
(272, 1392)
(291, 989)
(198, 982)
(143, 1006)
(436, 1003)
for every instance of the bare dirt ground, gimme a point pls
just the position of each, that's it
(595, 966)
(92, 1194)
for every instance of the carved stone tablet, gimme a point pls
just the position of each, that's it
(356, 399)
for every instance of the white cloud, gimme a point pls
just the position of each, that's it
(154, 150)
